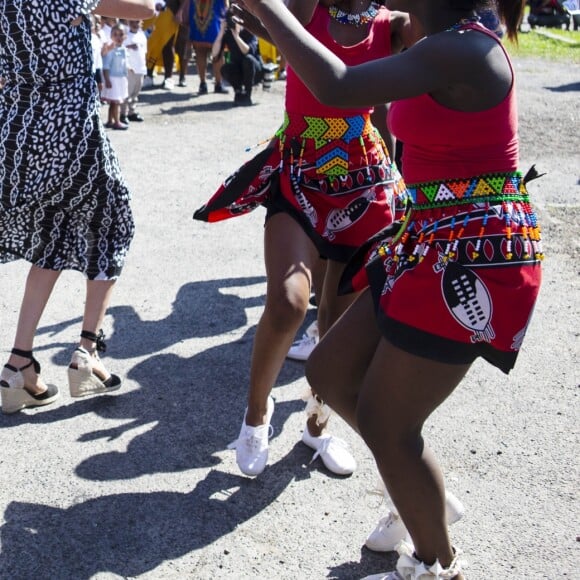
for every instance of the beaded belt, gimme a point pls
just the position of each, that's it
(493, 188)
(507, 190)
(330, 137)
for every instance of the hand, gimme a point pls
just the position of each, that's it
(247, 20)
(241, 15)
(249, 5)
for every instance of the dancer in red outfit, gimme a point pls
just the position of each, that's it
(328, 184)
(458, 279)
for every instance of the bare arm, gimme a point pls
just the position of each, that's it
(303, 10)
(330, 80)
(130, 9)
(445, 64)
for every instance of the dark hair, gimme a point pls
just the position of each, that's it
(510, 12)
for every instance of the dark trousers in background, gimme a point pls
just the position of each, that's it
(242, 74)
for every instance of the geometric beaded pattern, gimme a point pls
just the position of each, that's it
(331, 137)
(492, 187)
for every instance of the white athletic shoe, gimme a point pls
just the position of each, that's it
(411, 568)
(391, 530)
(301, 349)
(333, 451)
(252, 444)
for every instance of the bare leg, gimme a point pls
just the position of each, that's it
(337, 366)
(318, 274)
(386, 394)
(331, 305)
(330, 308)
(115, 107)
(217, 70)
(201, 54)
(289, 256)
(39, 285)
(399, 392)
(98, 297)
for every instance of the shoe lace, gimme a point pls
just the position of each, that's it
(305, 341)
(389, 520)
(326, 443)
(251, 441)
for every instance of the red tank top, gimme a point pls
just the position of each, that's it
(377, 44)
(440, 143)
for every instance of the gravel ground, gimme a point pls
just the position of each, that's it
(141, 484)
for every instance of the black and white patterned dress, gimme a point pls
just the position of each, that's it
(63, 201)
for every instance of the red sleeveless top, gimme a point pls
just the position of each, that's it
(442, 143)
(377, 44)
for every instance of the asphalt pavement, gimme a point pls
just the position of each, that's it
(141, 484)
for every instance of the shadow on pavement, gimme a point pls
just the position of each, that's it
(186, 408)
(133, 533)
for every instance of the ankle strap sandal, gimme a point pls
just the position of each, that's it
(98, 339)
(15, 395)
(84, 378)
(24, 354)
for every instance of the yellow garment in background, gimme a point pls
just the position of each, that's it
(164, 28)
(268, 51)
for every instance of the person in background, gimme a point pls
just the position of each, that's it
(548, 13)
(107, 23)
(115, 75)
(64, 204)
(244, 66)
(136, 45)
(206, 20)
(458, 279)
(97, 46)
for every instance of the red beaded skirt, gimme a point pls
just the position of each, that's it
(334, 176)
(459, 276)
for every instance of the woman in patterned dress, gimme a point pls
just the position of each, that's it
(459, 277)
(63, 202)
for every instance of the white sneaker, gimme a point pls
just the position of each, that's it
(168, 84)
(147, 82)
(411, 568)
(333, 451)
(301, 349)
(252, 444)
(391, 530)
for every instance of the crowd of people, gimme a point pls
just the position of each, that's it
(413, 279)
(127, 54)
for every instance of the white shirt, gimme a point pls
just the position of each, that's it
(97, 46)
(137, 58)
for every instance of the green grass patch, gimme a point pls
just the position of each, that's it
(534, 44)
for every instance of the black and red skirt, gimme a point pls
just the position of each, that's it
(459, 276)
(333, 175)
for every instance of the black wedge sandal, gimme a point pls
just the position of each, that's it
(15, 395)
(83, 378)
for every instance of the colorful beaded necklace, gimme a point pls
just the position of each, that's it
(354, 19)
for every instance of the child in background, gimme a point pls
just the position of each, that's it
(115, 75)
(97, 46)
(136, 45)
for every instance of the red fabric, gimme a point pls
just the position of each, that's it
(377, 44)
(441, 143)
